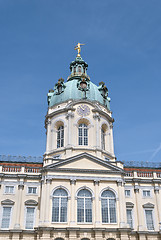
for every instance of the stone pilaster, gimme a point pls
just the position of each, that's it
(97, 204)
(19, 206)
(72, 203)
(47, 201)
(138, 208)
(122, 204)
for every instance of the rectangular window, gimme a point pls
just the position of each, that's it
(129, 217)
(146, 193)
(127, 193)
(6, 215)
(30, 214)
(32, 190)
(9, 189)
(149, 219)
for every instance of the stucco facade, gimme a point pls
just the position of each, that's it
(79, 190)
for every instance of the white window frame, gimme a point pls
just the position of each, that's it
(84, 207)
(60, 197)
(152, 210)
(32, 192)
(127, 196)
(132, 216)
(108, 201)
(34, 217)
(103, 141)
(8, 193)
(146, 191)
(83, 140)
(60, 141)
(2, 208)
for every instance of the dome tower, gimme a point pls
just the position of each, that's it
(79, 117)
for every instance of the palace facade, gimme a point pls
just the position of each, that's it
(78, 190)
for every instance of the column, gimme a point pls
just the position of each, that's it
(19, 206)
(122, 204)
(47, 201)
(97, 204)
(72, 203)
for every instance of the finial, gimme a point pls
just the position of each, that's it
(78, 47)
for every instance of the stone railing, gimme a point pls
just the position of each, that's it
(21, 169)
(142, 174)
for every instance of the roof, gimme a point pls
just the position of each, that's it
(20, 159)
(72, 91)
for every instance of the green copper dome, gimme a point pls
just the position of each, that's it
(78, 86)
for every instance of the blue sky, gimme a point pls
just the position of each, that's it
(123, 49)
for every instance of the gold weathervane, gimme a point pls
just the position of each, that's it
(78, 47)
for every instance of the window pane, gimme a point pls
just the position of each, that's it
(63, 211)
(30, 217)
(6, 217)
(60, 137)
(108, 204)
(104, 204)
(88, 210)
(83, 134)
(9, 189)
(129, 217)
(80, 210)
(112, 210)
(149, 219)
(55, 210)
(84, 193)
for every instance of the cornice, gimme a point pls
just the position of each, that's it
(82, 171)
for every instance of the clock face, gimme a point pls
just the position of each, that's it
(83, 110)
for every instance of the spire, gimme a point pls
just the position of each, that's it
(78, 67)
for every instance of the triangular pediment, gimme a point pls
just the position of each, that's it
(84, 162)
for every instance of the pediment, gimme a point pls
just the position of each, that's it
(148, 205)
(31, 203)
(7, 202)
(85, 162)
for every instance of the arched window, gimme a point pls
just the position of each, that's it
(60, 137)
(84, 206)
(59, 209)
(108, 203)
(79, 69)
(83, 134)
(102, 139)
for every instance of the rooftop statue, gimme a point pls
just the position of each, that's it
(78, 47)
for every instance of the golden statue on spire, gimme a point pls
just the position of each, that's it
(78, 47)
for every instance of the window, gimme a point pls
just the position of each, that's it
(149, 219)
(6, 216)
(9, 189)
(129, 217)
(108, 203)
(60, 137)
(83, 134)
(30, 216)
(79, 69)
(102, 139)
(59, 209)
(84, 206)
(146, 193)
(127, 193)
(32, 190)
